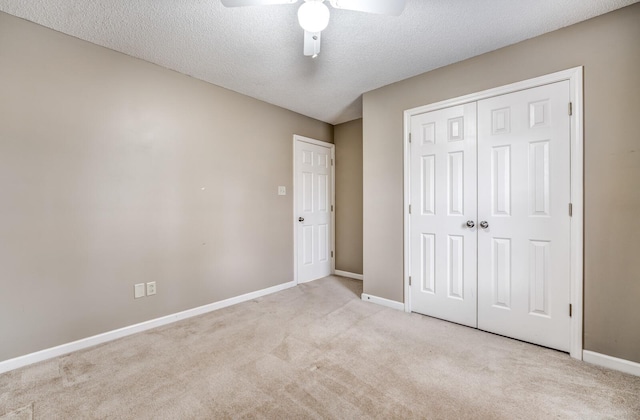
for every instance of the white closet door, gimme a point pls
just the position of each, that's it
(523, 196)
(443, 197)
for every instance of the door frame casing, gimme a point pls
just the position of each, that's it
(332, 229)
(575, 78)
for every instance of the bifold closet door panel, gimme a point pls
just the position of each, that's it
(443, 199)
(523, 204)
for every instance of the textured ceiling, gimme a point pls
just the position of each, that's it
(257, 51)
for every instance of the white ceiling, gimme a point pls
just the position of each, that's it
(257, 51)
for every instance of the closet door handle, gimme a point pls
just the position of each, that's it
(470, 223)
(484, 224)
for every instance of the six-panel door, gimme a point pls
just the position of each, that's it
(313, 210)
(523, 195)
(443, 197)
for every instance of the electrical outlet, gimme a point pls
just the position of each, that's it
(151, 288)
(282, 190)
(138, 290)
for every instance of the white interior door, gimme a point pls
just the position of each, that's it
(313, 204)
(443, 197)
(510, 273)
(523, 197)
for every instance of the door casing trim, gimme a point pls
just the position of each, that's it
(575, 78)
(332, 148)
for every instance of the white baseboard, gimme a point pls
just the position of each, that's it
(610, 362)
(348, 274)
(384, 302)
(84, 343)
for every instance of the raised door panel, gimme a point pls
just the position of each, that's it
(501, 266)
(307, 192)
(501, 180)
(455, 181)
(539, 182)
(539, 258)
(427, 192)
(455, 264)
(307, 246)
(427, 263)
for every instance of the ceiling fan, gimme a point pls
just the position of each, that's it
(313, 15)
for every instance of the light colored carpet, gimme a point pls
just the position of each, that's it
(318, 351)
(24, 413)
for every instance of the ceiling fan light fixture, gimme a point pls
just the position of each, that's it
(313, 16)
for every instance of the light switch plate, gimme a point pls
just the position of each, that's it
(138, 290)
(282, 190)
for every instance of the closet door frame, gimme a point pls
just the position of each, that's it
(575, 78)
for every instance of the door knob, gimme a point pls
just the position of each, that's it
(484, 224)
(300, 219)
(470, 223)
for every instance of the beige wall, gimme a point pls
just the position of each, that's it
(609, 49)
(114, 171)
(348, 141)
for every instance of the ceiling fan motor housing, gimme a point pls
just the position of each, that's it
(313, 16)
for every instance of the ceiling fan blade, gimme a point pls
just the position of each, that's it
(311, 43)
(240, 3)
(381, 7)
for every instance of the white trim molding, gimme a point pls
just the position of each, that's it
(575, 78)
(84, 343)
(399, 306)
(348, 274)
(610, 362)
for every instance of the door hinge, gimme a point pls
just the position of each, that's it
(409, 208)
(409, 280)
(570, 310)
(409, 137)
(332, 207)
(331, 162)
(331, 254)
(570, 209)
(570, 108)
